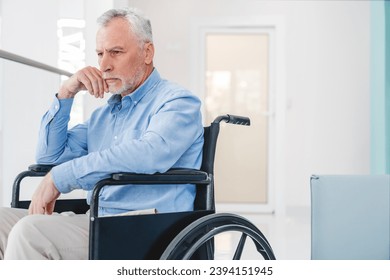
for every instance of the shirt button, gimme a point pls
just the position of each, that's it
(56, 107)
(115, 137)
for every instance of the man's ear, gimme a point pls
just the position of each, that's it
(149, 53)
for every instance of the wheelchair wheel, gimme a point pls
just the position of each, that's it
(202, 231)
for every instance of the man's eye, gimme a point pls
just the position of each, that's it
(99, 54)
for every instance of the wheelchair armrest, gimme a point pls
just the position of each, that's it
(34, 170)
(172, 176)
(77, 206)
(40, 167)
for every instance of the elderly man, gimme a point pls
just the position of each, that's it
(148, 125)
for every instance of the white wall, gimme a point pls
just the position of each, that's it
(327, 77)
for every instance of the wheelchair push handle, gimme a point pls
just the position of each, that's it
(233, 119)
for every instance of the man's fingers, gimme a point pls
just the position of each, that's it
(49, 208)
(89, 78)
(105, 86)
(35, 209)
(92, 79)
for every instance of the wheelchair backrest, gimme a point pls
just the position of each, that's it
(210, 142)
(205, 194)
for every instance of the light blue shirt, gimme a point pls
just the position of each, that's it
(155, 128)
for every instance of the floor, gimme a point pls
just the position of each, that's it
(288, 235)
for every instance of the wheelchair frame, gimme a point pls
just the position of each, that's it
(182, 235)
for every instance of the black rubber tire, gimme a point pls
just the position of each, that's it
(203, 230)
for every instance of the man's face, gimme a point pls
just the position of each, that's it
(122, 58)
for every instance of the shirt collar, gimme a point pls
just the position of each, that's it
(140, 92)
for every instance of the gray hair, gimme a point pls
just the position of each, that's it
(139, 24)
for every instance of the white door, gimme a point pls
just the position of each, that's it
(237, 78)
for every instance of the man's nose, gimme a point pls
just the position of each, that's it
(105, 63)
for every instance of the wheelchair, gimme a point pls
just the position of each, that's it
(165, 236)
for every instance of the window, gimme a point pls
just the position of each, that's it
(71, 57)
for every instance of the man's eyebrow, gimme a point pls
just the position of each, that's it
(112, 49)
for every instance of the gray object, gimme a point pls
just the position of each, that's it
(350, 217)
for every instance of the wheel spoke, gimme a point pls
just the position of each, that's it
(240, 247)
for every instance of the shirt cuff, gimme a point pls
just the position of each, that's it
(61, 107)
(64, 178)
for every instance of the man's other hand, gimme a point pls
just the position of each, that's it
(44, 198)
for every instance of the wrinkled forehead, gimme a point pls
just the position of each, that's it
(115, 32)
